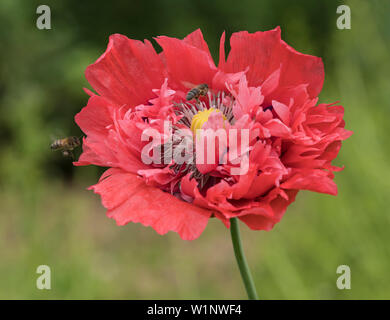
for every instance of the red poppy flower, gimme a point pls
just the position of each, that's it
(264, 86)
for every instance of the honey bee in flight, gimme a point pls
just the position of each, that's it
(195, 93)
(66, 145)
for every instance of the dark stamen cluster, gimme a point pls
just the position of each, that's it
(187, 111)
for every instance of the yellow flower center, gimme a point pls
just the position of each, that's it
(201, 117)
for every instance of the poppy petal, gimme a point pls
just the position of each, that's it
(265, 52)
(311, 179)
(187, 65)
(129, 199)
(127, 72)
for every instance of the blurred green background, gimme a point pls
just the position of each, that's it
(48, 217)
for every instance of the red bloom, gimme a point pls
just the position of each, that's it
(264, 86)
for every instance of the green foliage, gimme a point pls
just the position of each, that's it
(47, 216)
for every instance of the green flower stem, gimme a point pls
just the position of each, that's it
(241, 261)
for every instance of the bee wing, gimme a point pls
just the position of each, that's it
(53, 138)
(188, 85)
(57, 134)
